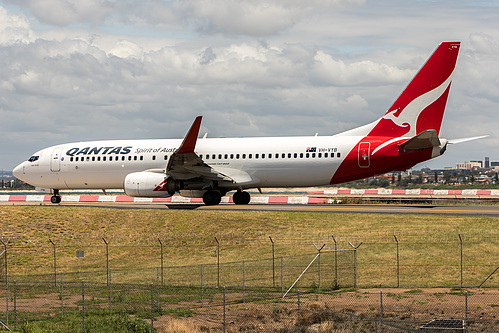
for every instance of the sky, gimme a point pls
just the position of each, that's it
(73, 70)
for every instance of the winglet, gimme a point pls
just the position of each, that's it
(189, 143)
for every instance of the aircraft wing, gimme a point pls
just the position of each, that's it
(186, 164)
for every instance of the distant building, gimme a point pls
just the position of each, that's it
(469, 165)
(487, 162)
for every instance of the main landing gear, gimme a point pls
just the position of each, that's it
(56, 198)
(241, 197)
(211, 198)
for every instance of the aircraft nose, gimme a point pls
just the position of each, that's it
(18, 171)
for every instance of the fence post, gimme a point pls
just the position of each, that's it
(319, 263)
(224, 309)
(466, 312)
(83, 304)
(398, 265)
(202, 286)
(299, 319)
(5, 252)
(335, 262)
(381, 310)
(7, 298)
(161, 261)
(355, 262)
(218, 262)
(152, 307)
(157, 268)
(55, 266)
(62, 294)
(110, 293)
(15, 307)
(282, 276)
(273, 264)
(107, 260)
(461, 242)
(244, 282)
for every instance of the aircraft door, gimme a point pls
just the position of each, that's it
(55, 160)
(364, 154)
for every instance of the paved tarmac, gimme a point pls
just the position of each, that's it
(457, 210)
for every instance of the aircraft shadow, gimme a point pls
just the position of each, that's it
(183, 206)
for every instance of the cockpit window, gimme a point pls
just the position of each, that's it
(33, 158)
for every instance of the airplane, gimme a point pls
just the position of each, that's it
(208, 168)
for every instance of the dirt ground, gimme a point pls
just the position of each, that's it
(346, 311)
(341, 311)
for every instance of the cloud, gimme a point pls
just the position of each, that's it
(144, 69)
(14, 28)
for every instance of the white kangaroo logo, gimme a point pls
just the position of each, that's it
(408, 117)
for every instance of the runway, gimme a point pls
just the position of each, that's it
(456, 210)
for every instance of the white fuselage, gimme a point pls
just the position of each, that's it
(254, 162)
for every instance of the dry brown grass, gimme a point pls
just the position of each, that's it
(427, 242)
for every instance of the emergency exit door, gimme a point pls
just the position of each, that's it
(364, 154)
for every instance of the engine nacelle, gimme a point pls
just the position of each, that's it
(150, 185)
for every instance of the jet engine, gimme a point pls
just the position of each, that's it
(151, 185)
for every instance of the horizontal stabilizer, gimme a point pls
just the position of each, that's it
(425, 139)
(466, 139)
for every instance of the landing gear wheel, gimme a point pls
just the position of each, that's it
(241, 198)
(55, 199)
(211, 198)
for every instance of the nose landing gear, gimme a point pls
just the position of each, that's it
(56, 198)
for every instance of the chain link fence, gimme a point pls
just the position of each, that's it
(36, 304)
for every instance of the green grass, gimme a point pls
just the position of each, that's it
(98, 321)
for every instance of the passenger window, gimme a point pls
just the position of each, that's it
(166, 157)
(250, 156)
(270, 155)
(88, 159)
(295, 155)
(289, 155)
(301, 155)
(213, 156)
(231, 156)
(256, 155)
(237, 156)
(313, 155)
(207, 156)
(154, 157)
(263, 155)
(338, 155)
(141, 158)
(226, 156)
(71, 159)
(325, 154)
(103, 158)
(219, 156)
(307, 155)
(93, 158)
(319, 155)
(244, 156)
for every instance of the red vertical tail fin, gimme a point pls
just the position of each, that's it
(421, 105)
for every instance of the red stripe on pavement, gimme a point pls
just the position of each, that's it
(278, 200)
(17, 198)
